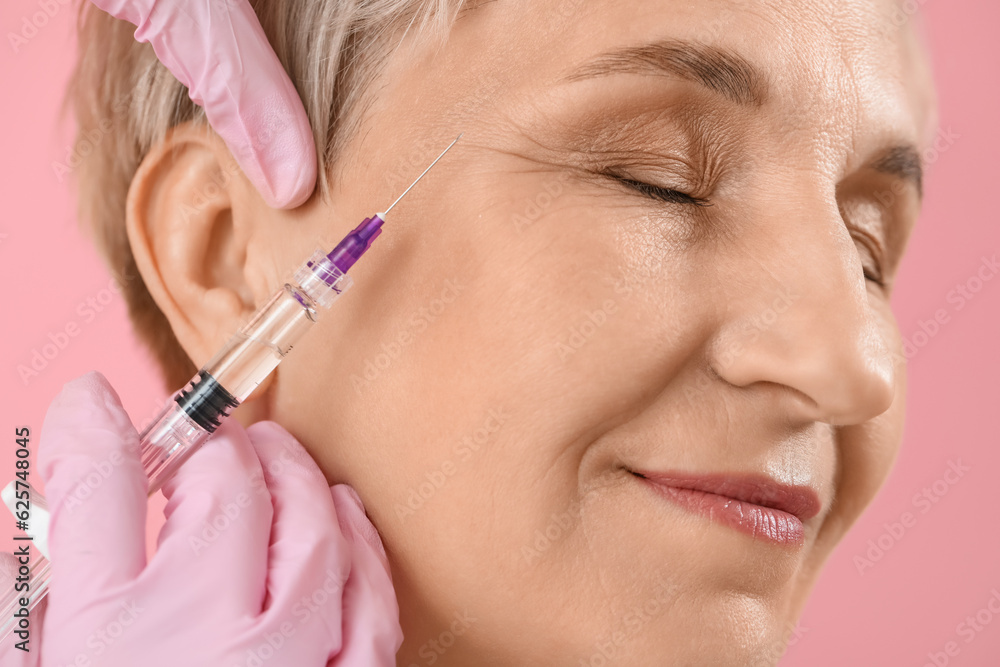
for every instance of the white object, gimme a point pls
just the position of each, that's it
(38, 521)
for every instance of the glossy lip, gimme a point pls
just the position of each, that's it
(753, 504)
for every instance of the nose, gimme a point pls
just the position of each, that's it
(801, 318)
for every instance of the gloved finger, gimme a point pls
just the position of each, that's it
(220, 52)
(95, 487)
(217, 527)
(372, 634)
(309, 559)
(10, 655)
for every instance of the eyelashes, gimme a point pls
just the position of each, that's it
(867, 252)
(869, 276)
(666, 195)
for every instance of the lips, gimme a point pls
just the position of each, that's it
(752, 504)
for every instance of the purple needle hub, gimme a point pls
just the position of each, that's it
(356, 244)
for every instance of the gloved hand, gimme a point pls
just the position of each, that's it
(218, 50)
(259, 563)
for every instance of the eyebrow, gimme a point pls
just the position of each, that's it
(902, 161)
(731, 75)
(721, 70)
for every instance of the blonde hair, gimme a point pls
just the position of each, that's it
(125, 101)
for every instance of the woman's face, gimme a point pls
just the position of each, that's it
(664, 248)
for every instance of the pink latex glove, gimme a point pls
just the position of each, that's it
(249, 566)
(219, 51)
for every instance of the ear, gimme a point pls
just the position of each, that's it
(190, 216)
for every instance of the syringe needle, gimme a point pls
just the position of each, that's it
(357, 243)
(382, 215)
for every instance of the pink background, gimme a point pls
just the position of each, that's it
(935, 573)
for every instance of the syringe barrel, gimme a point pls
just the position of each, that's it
(238, 368)
(222, 384)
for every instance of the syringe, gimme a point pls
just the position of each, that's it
(193, 414)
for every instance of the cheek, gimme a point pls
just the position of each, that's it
(466, 372)
(554, 292)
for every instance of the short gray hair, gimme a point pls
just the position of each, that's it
(125, 101)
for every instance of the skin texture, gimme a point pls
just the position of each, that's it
(740, 337)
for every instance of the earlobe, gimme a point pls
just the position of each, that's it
(189, 240)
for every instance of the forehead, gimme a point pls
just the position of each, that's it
(850, 70)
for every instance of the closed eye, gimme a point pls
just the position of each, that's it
(659, 193)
